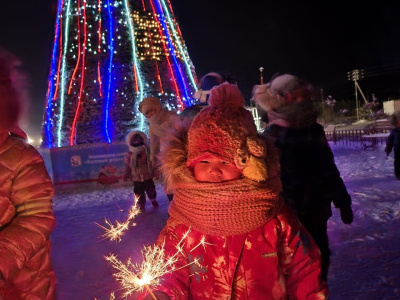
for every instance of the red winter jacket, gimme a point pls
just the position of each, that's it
(276, 261)
(26, 221)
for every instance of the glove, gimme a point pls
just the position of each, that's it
(346, 214)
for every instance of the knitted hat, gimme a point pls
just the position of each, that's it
(210, 80)
(282, 90)
(207, 82)
(149, 103)
(226, 130)
(10, 106)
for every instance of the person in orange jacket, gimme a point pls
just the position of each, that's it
(229, 229)
(26, 212)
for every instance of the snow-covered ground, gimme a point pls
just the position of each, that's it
(365, 255)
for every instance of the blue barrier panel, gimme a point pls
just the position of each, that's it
(88, 162)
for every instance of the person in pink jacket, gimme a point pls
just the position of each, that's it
(26, 213)
(139, 169)
(233, 235)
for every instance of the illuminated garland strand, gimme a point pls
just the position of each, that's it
(99, 48)
(79, 48)
(72, 137)
(178, 41)
(50, 95)
(180, 34)
(135, 62)
(172, 52)
(155, 61)
(165, 51)
(110, 28)
(62, 91)
(59, 66)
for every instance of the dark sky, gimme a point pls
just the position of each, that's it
(317, 40)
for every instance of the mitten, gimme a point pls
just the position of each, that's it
(346, 214)
(159, 295)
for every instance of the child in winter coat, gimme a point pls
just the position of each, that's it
(242, 241)
(26, 210)
(310, 179)
(139, 169)
(393, 143)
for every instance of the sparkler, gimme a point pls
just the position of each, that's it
(137, 277)
(115, 232)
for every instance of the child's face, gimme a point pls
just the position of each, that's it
(136, 139)
(215, 170)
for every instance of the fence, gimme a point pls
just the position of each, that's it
(351, 137)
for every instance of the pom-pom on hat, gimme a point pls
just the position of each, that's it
(149, 103)
(226, 130)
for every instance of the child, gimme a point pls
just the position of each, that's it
(393, 142)
(138, 167)
(310, 179)
(26, 210)
(226, 187)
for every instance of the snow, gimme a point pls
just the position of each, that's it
(365, 259)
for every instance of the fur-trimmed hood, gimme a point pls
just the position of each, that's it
(174, 156)
(131, 134)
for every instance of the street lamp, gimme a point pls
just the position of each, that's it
(354, 76)
(261, 75)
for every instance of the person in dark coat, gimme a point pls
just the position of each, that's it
(393, 143)
(310, 178)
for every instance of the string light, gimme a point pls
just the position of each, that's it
(140, 53)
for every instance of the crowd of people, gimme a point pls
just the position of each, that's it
(252, 208)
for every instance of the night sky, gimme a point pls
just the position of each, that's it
(318, 40)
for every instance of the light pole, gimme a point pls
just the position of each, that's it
(355, 75)
(261, 75)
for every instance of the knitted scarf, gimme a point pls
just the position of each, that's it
(224, 208)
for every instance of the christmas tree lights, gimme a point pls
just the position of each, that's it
(107, 56)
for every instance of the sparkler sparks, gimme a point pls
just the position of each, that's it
(155, 264)
(115, 232)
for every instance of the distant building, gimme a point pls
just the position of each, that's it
(390, 107)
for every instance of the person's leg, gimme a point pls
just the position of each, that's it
(138, 190)
(150, 189)
(397, 165)
(320, 236)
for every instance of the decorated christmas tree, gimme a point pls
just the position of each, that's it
(107, 56)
